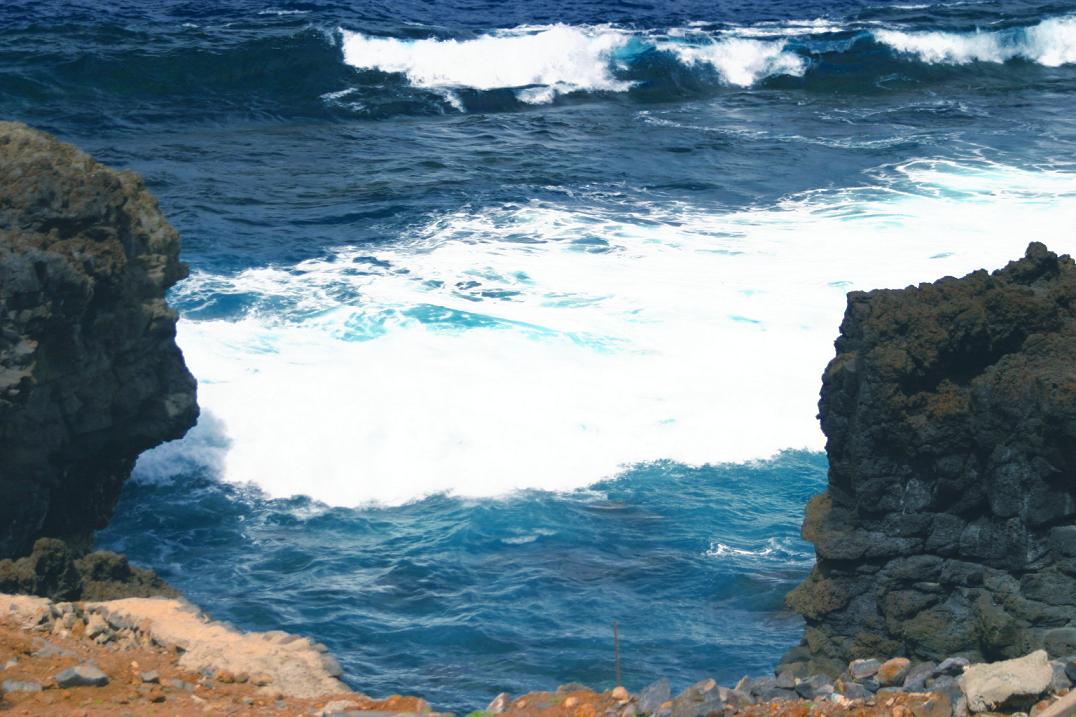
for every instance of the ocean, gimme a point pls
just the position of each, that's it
(509, 318)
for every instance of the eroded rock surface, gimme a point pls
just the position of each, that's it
(949, 523)
(90, 374)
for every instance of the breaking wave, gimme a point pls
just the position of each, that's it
(563, 58)
(1052, 43)
(544, 346)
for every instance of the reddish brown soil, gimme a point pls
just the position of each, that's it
(127, 695)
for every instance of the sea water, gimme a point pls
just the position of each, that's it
(509, 317)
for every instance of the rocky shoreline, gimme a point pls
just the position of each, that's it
(157, 656)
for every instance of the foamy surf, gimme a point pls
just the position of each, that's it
(558, 56)
(539, 346)
(542, 62)
(1051, 42)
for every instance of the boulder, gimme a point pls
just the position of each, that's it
(1011, 683)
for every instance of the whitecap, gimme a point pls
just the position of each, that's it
(560, 56)
(741, 61)
(1052, 43)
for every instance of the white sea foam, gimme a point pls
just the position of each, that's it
(1052, 43)
(542, 62)
(544, 346)
(557, 56)
(741, 61)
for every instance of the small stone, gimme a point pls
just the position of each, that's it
(654, 696)
(180, 684)
(862, 669)
(814, 687)
(10, 663)
(892, 672)
(854, 690)
(989, 686)
(699, 700)
(786, 680)
(916, 679)
(81, 676)
(499, 703)
(21, 686)
(1060, 681)
(1070, 667)
(570, 702)
(150, 677)
(620, 694)
(226, 677)
(242, 678)
(738, 699)
(261, 679)
(953, 666)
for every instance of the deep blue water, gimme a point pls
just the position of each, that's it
(501, 311)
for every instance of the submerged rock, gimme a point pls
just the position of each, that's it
(948, 523)
(90, 374)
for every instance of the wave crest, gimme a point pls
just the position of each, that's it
(741, 61)
(1051, 43)
(541, 63)
(560, 56)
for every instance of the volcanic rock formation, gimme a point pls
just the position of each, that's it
(90, 374)
(949, 523)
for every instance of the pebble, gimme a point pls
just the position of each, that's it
(81, 676)
(620, 694)
(151, 677)
(261, 679)
(21, 686)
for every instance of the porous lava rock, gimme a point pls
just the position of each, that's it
(949, 523)
(90, 374)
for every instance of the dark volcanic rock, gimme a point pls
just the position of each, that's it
(90, 374)
(948, 523)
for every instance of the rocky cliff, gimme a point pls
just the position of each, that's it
(90, 374)
(949, 523)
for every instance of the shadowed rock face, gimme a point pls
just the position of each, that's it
(949, 523)
(90, 374)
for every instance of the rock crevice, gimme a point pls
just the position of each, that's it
(949, 522)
